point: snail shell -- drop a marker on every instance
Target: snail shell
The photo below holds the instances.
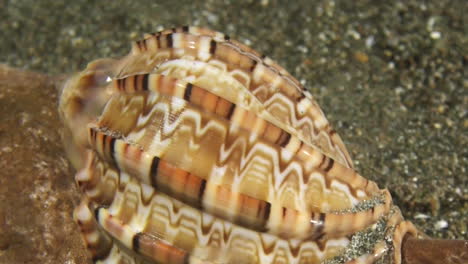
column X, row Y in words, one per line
column 194, row 148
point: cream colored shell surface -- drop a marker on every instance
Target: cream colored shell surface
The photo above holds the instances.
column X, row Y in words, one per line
column 194, row 148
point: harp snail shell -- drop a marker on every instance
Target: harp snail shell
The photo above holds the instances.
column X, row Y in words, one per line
column 195, row 148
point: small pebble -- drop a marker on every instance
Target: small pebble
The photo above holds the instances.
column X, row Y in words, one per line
column 441, row 224
column 7, row 149
column 435, row 35
column 361, row 57
column 421, row 216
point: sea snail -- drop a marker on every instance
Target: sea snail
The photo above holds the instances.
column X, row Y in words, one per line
column 195, row 148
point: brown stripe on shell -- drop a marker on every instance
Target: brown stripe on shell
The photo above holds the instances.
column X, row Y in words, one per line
column 154, row 170
column 158, row 250
column 147, row 245
column 329, row 166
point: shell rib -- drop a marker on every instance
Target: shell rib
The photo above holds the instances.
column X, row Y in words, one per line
column 194, row 148
column 280, row 94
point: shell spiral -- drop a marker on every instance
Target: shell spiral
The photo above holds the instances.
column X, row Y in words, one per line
column 195, row 148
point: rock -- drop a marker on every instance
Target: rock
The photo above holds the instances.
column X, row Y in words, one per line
column 37, row 190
